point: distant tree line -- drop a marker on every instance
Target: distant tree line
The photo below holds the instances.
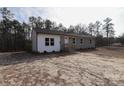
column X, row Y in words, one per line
column 15, row 35
column 12, row 35
column 121, row 39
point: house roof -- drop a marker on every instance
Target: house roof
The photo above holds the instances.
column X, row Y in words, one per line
column 55, row 32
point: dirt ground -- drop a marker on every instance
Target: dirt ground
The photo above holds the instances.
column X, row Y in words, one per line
column 103, row 66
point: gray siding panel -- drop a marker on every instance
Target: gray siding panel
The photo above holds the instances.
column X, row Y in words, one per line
column 34, row 41
column 62, row 42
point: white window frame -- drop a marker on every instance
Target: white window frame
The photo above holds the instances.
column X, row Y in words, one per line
column 49, row 42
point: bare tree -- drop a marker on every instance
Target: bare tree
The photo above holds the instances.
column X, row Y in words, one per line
column 91, row 28
column 97, row 26
column 71, row 29
column 81, row 29
column 109, row 29
column 61, row 27
column 121, row 39
column 78, row 28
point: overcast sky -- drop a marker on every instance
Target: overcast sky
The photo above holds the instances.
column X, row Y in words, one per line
column 73, row 16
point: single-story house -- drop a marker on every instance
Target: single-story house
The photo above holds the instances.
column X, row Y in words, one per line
column 54, row 41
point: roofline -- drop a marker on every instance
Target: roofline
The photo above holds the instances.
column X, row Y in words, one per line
column 55, row 32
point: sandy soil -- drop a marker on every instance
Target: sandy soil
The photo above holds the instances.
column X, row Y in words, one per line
column 103, row 66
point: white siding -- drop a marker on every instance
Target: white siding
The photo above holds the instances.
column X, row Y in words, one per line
column 41, row 43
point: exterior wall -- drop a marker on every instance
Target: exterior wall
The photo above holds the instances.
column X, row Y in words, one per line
column 41, row 43
column 86, row 43
column 34, row 41
column 93, row 43
column 38, row 43
column 69, row 46
column 79, row 45
column 62, row 44
column 67, row 43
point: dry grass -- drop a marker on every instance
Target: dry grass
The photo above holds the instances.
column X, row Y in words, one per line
column 117, row 52
column 103, row 66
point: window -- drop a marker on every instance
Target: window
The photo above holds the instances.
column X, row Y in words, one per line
column 73, row 40
column 90, row 41
column 52, row 41
column 47, row 41
column 81, row 41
